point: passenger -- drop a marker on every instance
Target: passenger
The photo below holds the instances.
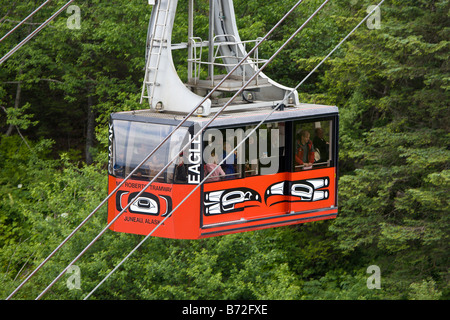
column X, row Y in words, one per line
column 305, row 152
column 321, row 145
column 210, row 166
column 229, row 163
column 180, row 172
column 138, row 155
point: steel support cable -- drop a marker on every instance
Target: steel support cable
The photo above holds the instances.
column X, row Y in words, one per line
column 24, row 20
column 236, row 148
column 186, row 146
column 32, row 34
column 151, row 154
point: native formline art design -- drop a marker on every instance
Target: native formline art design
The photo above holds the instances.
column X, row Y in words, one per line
column 238, row 199
column 146, row 203
column 224, row 201
column 299, row 190
column 233, row 199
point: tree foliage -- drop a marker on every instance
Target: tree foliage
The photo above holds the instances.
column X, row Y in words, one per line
column 391, row 85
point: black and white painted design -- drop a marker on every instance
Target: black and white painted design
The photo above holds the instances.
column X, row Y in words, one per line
column 146, row 203
column 225, row 201
column 299, row 191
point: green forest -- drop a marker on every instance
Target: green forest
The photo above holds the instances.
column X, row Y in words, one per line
column 390, row 80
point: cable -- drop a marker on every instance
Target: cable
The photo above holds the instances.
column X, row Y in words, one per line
column 31, row 35
column 187, row 145
column 24, row 20
column 151, row 153
column 231, row 152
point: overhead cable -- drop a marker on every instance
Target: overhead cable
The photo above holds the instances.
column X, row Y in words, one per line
column 32, row 34
column 24, row 20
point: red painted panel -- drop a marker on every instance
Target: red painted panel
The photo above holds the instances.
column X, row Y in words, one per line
column 152, row 206
column 225, row 207
column 264, row 201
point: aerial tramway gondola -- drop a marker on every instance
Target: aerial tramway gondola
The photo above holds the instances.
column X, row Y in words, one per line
column 284, row 173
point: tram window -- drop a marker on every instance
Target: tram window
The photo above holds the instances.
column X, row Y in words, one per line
column 261, row 154
column 177, row 171
column 251, row 167
column 219, row 143
column 312, row 144
column 133, row 141
column 271, row 147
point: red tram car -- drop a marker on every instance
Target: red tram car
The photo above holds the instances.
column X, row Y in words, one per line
column 263, row 184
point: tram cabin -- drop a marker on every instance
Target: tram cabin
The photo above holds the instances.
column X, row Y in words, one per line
column 283, row 174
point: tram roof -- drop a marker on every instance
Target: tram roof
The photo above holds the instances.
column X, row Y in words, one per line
column 230, row 118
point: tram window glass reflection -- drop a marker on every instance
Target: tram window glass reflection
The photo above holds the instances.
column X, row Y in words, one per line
column 133, row 141
column 312, row 144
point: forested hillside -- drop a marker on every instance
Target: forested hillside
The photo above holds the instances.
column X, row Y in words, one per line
column 391, row 84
